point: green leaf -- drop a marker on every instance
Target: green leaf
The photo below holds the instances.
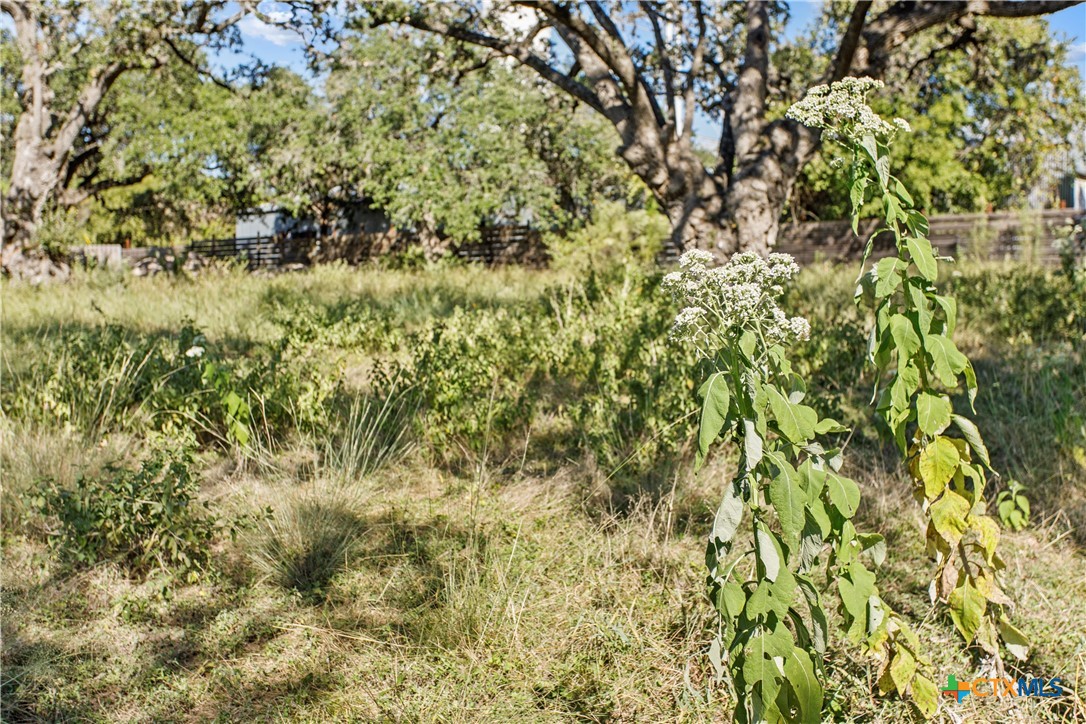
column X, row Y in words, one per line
column 882, row 168
column 800, row 675
column 950, row 311
column 917, row 222
column 856, row 588
column 922, row 255
column 967, row 607
column 790, row 501
column 796, row 422
column 752, row 445
column 972, row 436
column 760, row 668
column 844, row 494
column 813, row 537
column 874, row 544
column 820, row 627
column 921, row 308
column 714, row 412
column 970, row 383
column 870, row 147
column 946, row 360
column 933, row 412
column 938, row 462
column 768, row 553
column 904, row 335
column 902, row 193
column 760, row 602
column 828, row 425
column 856, row 196
column 887, row 276
column 728, row 515
column 733, row 598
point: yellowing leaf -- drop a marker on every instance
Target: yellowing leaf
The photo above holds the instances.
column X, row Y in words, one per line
column 1015, row 641
column 937, row 464
column 948, row 515
column 926, row 696
column 967, row 607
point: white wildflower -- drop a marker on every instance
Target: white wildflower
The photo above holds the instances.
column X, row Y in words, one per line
column 842, row 111
column 902, row 125
column 695, row 257
column 195, row 351
column 721, row 303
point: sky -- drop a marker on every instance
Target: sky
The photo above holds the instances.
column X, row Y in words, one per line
column 276, row 46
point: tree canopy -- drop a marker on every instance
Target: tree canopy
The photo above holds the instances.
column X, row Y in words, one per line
column 449, row 115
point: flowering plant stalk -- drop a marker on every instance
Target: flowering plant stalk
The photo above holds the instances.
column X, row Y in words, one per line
column 772, row 624
column 911, row 346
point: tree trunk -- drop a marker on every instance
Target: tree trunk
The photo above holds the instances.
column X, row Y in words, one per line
column 34, row 175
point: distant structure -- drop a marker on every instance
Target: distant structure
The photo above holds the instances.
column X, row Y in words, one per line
column 1073, row 191
column 271, row 220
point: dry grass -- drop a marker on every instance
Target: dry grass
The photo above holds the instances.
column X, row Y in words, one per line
column 508, row 592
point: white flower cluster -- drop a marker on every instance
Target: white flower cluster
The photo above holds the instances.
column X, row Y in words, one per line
column 841, row 109
column 720, row 303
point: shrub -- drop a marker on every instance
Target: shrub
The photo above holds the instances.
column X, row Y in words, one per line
column 147, row 519
column 629, row 387
column 615, row 236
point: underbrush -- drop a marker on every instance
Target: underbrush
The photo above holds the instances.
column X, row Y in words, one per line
column 468, row 493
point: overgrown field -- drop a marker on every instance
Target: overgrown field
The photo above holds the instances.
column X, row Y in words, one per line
column 458, row 494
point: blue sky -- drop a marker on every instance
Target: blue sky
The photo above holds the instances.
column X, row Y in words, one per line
column 280, row 47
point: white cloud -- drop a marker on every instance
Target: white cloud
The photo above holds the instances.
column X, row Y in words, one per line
column 254, row 27
column 1078, row 51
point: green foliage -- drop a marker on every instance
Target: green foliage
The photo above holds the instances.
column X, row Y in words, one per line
column 1031, row 305
column 1013, row 506
column 146, row 520
column 989, row 118
column 773, row 627
column 615, row 236
column 626, row 383
column 912, row 341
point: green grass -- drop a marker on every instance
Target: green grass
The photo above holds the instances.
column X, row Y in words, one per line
column 513, row 577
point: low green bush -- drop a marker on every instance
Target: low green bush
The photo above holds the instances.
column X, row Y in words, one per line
column 146, row 520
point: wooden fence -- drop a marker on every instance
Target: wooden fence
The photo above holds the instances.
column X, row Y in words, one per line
column 258, row 251
column 1023, row 235
column 496, row 245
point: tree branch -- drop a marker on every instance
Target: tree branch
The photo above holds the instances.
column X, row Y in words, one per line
column 748, row 113
column 652, row 11
column 846, row 51
column 518, row 51
column 905, row 19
